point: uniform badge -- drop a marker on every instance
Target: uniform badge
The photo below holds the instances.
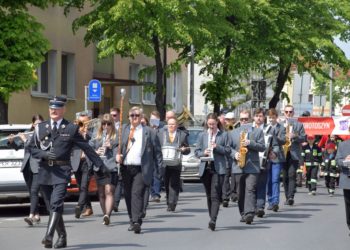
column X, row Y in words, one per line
column 47, row 126
column 63, row 126
column 46, row 138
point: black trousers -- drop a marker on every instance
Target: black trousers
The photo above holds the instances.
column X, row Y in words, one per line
column 289, row 172
column 226, row 186
column 330, row 182
column 311, row 177
column 54, row 196
column 213, row 189
column 246, row 189
column 347, row 206
column 83, row 178
column 134, row 190
column 119, row 192
column 33, row 186
column 172, row 184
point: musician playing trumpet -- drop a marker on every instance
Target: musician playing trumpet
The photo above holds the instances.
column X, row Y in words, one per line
column 246, row 176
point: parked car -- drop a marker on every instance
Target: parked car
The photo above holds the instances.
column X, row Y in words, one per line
column 73, row 189
column 190, row 163
column 12, row 185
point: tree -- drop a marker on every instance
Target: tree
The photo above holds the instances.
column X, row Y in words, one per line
column 132, row 27
column 298, row 32
column 22, row 49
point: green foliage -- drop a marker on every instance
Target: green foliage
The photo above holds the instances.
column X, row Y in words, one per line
column 22, row 48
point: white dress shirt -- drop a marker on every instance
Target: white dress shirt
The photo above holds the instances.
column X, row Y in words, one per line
column 133, row 157
column 58, row 123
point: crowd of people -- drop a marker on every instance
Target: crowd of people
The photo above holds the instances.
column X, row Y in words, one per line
column 241, row 161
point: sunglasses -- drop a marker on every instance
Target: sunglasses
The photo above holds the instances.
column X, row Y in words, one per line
column 288, row 111
column 134, row 115
column 106, row 123
column 244, row 119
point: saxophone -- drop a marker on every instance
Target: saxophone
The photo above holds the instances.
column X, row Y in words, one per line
column 243, row 150
column 286, row 146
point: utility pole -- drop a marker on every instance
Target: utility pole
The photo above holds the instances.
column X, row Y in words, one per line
column 192, row 81
column 331, row 91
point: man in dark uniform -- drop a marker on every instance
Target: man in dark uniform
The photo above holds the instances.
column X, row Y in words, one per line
column 52, row 143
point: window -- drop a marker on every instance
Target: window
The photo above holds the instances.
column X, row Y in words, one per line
column 46, row 76
column 67, row 75
column 149, row 97
column 134, row 90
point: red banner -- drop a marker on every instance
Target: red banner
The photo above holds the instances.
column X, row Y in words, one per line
column 337, row 125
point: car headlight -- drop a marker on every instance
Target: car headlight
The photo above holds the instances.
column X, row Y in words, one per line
column 193, row 159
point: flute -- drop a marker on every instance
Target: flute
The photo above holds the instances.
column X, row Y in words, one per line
column 16, row 135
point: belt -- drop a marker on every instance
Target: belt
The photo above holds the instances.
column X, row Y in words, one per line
column 133, row 166
column 59, row 163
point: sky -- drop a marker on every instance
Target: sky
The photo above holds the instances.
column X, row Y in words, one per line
column 344, row 46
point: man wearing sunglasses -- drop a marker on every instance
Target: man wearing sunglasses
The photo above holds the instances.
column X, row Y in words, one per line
column 115, row 113
column 140, row 155
column 246, row 177
column 296, row 135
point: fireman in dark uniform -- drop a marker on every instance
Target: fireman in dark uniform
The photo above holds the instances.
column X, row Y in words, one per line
column 329, row 167
column 52, row 143
column 312, row 157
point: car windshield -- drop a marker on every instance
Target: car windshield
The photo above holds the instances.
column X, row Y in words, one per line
column 193, row 137
column 3, row 139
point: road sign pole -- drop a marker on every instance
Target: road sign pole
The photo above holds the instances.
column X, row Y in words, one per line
column 86, row 94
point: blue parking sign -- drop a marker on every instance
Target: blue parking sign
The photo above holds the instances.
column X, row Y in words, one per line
column 94, row 91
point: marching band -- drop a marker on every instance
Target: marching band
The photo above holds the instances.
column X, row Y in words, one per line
column 246, row 155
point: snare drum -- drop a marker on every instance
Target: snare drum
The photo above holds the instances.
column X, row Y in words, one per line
column 171, row 155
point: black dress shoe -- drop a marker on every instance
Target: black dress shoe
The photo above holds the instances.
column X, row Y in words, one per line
column 249, row 219
column 260, row 213
column 275, row 208
column 225, row 203
column 47, row 242
column 290, row 201
column 77, row 212
column 115, row 209
column 29, row 221
column 211, row 225
column 137, row 228
column 143, row 215
column 61, row 242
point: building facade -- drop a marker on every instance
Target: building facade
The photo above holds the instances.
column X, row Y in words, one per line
column 69, row 66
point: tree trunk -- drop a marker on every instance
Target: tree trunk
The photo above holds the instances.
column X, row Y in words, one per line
column 159, row 78
column 225, row 69
column 3, row 111
column 281, row 79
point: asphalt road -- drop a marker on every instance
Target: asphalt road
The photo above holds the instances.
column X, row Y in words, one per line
column 314, row 222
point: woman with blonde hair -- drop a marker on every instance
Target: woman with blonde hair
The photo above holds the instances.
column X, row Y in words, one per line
column 105, row 144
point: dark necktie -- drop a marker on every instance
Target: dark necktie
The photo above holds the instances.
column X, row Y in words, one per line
column 54, row 129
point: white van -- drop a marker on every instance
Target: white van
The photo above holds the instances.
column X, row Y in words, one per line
column 12, row 186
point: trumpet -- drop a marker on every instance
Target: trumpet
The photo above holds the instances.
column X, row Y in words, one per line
column 17, row 135
column 229, row 127
column 89, row 124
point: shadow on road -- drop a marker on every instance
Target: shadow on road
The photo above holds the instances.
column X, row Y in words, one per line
column 101, row 245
